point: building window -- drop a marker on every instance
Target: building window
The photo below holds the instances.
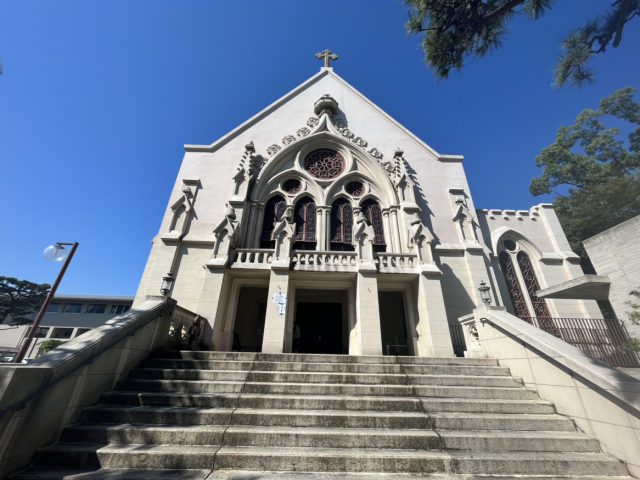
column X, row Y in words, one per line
column 341, row 226
column 372, row 212
column 273, row 211
column 97, row 308
column 81, row 331
column 64, row 333
column 305, row 218
column 54, row 307
column 119, row 309
column 522, row 283
column 73, row 308
column 41, row 332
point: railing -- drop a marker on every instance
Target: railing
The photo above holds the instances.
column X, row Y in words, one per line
column 185, row 328
column 324, row 260
column 395, row 261
column 252, row 257
column 604, row 339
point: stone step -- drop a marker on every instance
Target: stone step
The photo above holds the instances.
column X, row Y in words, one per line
column 371, row 368
column 52, row 473
column 412, row 461
column 328, row 459
column 137, row 474
column 320, row 358
column 488, row 421
column 196, row 386
column 257, row 417
column 324, row 377
column 488, row 441
column 327, row 402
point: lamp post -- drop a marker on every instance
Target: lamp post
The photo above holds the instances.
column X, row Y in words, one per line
column 485, row 293
column 53, row 253
column 167, row 283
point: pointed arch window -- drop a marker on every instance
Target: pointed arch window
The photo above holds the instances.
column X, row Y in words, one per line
column 305, row 218
column 522, row 284
column 341, row 226
column 273, row 211
column 373, row 213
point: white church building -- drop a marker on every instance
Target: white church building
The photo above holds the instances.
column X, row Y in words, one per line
column 322, row 225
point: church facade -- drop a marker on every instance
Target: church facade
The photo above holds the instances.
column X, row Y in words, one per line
column 321, row 225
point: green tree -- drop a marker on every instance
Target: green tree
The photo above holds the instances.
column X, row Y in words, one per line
column 456, row 30
column 597, row 169
column 47, row 346
column 20, row 300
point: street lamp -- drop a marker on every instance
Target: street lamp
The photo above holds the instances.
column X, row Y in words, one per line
column 485, row 293
column 167, row 283
column 53, row 253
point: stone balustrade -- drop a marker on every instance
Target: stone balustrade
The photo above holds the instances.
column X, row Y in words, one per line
column 253, row 258
column 324, row 261
column 329, row 261
column 396, row 262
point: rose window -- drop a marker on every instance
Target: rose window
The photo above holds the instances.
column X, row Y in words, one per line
column 291, row 186
column 324, row 163
column 355, row 189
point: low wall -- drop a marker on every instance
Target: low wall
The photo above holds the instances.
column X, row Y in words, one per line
column 603, row 401
column 38, row 399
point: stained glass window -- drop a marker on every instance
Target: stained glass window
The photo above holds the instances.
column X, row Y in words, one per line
column 373, row 214
column 341, row 226
column 305, row 218
column 273, row 211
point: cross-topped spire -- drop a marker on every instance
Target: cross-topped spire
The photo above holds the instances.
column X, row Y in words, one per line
column 328, row 56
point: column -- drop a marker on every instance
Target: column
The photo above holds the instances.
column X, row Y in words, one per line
column 395, row 229
column 387, row 229
column 212, row 305
column 322, row 228
column 366, row 337
column 434, row 338
column 276, row 314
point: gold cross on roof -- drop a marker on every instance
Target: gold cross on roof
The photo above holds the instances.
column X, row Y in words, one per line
column 328, row 57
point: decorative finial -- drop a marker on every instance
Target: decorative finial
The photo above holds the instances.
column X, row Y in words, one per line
column 328, row 56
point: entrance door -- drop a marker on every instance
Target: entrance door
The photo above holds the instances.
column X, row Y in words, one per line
column 393, row 326
column 318, row 328
column 249, row 324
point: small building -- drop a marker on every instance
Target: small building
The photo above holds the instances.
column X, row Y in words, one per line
column 67, row 317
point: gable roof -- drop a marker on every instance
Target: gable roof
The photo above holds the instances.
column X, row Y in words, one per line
column 324, row 72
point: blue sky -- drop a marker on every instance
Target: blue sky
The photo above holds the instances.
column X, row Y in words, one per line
column 98, row 97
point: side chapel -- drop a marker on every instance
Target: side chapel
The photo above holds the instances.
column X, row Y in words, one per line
column 322, row 225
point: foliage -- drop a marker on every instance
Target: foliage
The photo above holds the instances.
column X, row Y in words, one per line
column 455, row 30
column 20, row 300
column 597, row 167
column 47, row 346
column 634, row 317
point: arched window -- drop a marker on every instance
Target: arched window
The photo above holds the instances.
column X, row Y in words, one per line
column 531, row 282
column 341, row 226
column 513, row 285
column 522, row 285
column 373, row 214
column 273, row 211
column 305, row 217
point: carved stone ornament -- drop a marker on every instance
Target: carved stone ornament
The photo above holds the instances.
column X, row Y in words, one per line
column 472, row 329
column 313, row 121
column 361, row 142
column 288, row 139
column 327, row 104
column 375, row 153
column 303, row 132
column 273, row 149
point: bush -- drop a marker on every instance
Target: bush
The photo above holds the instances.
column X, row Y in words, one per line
column 48, row 345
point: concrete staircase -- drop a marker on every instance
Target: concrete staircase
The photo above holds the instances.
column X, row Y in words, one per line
column 265, row 416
